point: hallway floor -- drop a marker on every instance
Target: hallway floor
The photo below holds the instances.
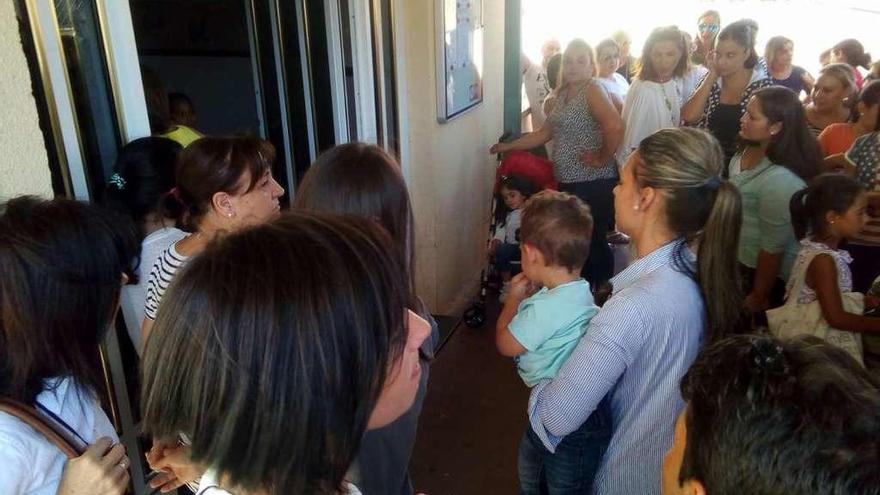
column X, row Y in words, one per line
column 473, row 418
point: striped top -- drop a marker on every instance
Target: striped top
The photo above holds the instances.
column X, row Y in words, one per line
column 160, row 278
column 865, row 155
column 636, row 349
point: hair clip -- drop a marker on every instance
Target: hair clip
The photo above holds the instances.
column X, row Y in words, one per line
column 117, row 181
column 767, row 356
column 713, row 183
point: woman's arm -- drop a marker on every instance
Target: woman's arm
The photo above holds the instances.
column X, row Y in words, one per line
column 616, row 334
column 692, row 111
column 766, row 272
column 610, row 123
column 525, row 142
column 822, row 278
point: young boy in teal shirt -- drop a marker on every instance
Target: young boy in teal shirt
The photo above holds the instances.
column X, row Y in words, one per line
column 549, row 305
column 547, row 311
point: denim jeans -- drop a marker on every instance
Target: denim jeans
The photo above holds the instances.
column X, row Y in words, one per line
column 572, row 468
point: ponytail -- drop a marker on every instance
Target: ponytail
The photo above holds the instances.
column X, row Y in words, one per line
column 800, row 215
column 717, row 267
column 703, row 209
column 826, row 193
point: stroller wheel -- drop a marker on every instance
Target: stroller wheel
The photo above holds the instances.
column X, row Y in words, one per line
column 475, row 317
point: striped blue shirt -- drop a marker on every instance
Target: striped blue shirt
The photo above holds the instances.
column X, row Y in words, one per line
column 637, row 348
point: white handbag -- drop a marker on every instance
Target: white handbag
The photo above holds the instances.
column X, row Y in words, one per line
column 793, row 319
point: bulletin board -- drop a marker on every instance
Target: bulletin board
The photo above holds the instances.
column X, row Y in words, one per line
column 459, row 55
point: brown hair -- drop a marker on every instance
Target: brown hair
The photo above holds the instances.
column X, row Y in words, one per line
column 215, row 164
column 272, row 347
column 685, row 164
column 607, row 44
column 559, row 225
column 645, row 71
column 576, row 45
column 62, row 263
column 854, row 52
column 363, row 180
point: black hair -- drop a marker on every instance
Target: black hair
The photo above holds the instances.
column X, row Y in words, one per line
column 62, row 263
column 271, row 349
column 795, row 146
column 826, row 193
column 142, row 176
column 767, row 417
column 177, row 98
column 870, row 96
column 743, row 32
column 514, row 182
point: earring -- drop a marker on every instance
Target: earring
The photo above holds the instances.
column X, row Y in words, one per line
column 636, row 207
column 230, row 215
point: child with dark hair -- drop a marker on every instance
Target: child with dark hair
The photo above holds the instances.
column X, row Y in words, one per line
column 513, row 192
column 829, row 211
column 767, row 417
column 546, row 314
column 142, row 177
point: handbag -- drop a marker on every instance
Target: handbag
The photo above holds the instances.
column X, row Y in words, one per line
column 793, row 319
column 31, row 417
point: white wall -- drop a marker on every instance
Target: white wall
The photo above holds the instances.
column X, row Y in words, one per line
column 448, row 167
column 24, row 166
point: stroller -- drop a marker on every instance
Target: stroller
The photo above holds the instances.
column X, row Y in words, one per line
column 538, row 170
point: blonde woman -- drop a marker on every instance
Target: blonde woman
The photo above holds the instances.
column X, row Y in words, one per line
column 778, row 55
column 668, row 303
column 586, row 130
column 830, row 98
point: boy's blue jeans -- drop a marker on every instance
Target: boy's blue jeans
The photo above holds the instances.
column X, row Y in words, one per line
column 572, row 468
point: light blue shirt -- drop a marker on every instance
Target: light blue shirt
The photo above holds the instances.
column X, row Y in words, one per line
column 637, row 348
column 549, row 324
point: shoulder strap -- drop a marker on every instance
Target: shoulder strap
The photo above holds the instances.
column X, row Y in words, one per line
column 32, row 418
column 801, row 277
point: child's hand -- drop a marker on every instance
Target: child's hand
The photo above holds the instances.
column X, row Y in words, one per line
column 520, row 288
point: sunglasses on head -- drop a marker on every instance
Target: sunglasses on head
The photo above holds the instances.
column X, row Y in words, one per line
column 708, row 27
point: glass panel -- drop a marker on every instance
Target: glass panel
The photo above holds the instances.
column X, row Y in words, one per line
column 92, row 96
column 198, row 52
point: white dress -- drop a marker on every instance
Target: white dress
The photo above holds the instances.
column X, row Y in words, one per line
column 30, row 464
column 615, row 85
column 649, row 107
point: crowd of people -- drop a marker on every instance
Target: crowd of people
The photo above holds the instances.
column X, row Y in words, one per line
column 288, row 352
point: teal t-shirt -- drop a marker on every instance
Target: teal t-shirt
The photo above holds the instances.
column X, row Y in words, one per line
column 549, row 325
column 766, row 193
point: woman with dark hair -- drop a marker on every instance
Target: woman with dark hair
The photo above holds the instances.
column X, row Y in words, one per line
column 830, row 102
column 278, row 348
column 586, row 130
column 223, row 184
column 143, row 175
column 852, row 53
column 365, row 181
column 654, row 101
column 777, row 56
column 838, row 138
column 671, row 201
column 159, row 111
column 734, row 75
column 778, row 156
column 63, row 264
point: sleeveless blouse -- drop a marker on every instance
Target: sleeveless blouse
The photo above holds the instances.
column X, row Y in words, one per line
column 575, row 132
